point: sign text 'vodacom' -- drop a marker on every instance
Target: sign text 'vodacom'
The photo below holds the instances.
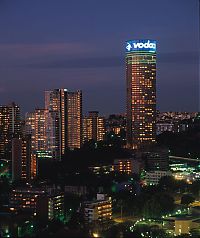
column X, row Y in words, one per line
column 141, row 45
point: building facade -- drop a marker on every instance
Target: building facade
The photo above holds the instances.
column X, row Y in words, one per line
column 74, row 119
column 24, row 199
column 156, row 159
column 68, row 105
column 99, row 211
column 38, row 202
column 50, row 207
column 128, row 165
column 124, row 165
column 24, row 162
column 153, row 177
column 10, row 127
column 93, row 127
column 141, row 92
column 43, row 126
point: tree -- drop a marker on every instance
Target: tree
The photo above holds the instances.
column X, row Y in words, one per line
column 152, row 209
column 195, row 233
column 157, row 205
column 90, row 145
column 168, row 183
column 184, row 236
column 4, row 191
column 186, row 199
column 195, row 188
column 76, row 221
column 54, row 226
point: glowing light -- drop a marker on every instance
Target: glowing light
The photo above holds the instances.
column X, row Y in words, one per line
column 141, row 45
column 95, row 235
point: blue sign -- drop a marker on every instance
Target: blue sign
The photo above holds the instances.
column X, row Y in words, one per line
column 140, row 45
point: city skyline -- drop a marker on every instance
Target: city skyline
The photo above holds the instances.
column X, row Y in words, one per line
column 100, row 118
column 40, row 54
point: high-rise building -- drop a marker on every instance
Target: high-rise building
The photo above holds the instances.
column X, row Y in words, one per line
column 30, row 127
column 74, row 119
column 43, row 126
column 141, row 92
column 101, row 128
column 16, row 159
column 41, row 119
column 68, row 105
column 87, row 129
column 10, row 127
column 24, row 163
column 55, row 100
column 52, row 134
column 94, row 116
column 93, row 127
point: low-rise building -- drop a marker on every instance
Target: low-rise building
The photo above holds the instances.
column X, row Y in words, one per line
column 102, row 169
column 153, row 177
column 99, row 211
column 164, row 126
column 128, row 166
column 50, row 207
column 76, row 190
column 184, row 225
column 38, row 202
column 156, row 159
column 24, row 199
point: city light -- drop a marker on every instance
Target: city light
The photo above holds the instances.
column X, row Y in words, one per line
column 102, row 138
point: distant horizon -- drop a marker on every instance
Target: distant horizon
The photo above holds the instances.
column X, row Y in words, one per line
column 85, row 113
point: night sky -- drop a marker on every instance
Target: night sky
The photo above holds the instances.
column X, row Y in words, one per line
column 76, row 44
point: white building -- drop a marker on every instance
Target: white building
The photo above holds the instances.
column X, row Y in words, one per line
column 99, row 210
column 153, row 177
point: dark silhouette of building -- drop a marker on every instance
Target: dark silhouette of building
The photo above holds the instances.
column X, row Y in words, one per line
column 24, row 162
column 10, row 127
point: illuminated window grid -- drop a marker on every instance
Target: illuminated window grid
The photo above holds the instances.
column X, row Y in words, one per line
column 142, row 95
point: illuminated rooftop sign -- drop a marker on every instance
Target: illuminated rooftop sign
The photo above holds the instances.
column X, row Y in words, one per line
column 140, row 45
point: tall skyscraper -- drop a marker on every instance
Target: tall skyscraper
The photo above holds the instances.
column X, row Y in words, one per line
column 30, row 127
column 68, row 105
column 10, row 127
column 74, row 119
column 24, row 163
column 43, row 126
column 94, row 117
column 93, row 127
column 56, row 101
column 141, row 92
column 41, row 116
column 52, row 134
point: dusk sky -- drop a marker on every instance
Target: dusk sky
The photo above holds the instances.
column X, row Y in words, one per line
column 47, row 44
